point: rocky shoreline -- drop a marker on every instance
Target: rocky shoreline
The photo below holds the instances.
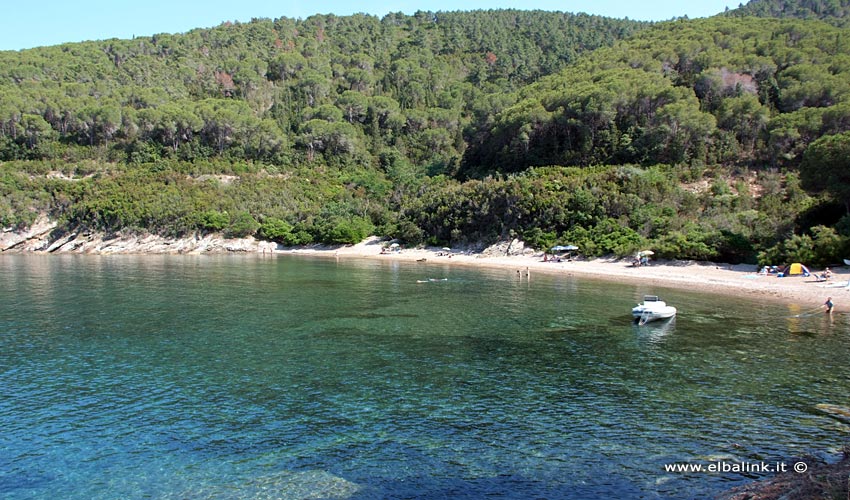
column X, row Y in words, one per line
column 45, row 237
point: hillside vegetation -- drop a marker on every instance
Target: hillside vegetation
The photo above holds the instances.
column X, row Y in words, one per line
column 721, row 138
column 832, row 11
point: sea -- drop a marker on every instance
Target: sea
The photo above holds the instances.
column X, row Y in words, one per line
column 291, row 377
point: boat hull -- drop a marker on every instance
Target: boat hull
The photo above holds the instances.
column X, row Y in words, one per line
column 653, row 311
column 647, row 315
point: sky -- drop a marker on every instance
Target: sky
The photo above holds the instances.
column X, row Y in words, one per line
column 34, row 23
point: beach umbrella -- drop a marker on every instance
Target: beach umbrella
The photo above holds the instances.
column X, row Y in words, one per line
column 646, row 252
column 394, row 245
column 564, row 248
column 447, row 249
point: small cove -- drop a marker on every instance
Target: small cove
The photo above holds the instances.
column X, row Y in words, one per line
column 239, row 376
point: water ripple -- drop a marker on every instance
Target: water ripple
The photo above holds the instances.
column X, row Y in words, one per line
column 229, row 377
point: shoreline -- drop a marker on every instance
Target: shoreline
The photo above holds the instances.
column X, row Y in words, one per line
column 722, row 279
column 804, row 293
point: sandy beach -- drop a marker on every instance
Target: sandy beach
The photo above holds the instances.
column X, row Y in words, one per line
column 806, row 292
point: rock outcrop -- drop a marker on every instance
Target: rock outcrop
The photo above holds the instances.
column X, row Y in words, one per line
column 36, row 237
column 44, row 237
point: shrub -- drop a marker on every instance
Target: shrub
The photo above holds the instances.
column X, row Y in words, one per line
column 346, row 230
column 213, row 220
column 276, row 230
column 242, row 225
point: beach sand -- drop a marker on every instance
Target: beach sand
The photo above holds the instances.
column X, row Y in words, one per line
column 738, row 280
column 805, row 293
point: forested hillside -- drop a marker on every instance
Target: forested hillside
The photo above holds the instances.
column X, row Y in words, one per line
column 286, row 90
column 832, row 11
column 707, row 139
column 746, row 91
column 320, row 122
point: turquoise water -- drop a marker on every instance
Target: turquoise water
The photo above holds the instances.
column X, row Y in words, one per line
column 242, row 377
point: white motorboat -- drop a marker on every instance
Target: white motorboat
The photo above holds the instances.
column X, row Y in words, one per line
column 652, row 308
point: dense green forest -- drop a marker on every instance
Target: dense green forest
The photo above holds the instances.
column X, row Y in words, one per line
column 832, row 11
column 723, row 138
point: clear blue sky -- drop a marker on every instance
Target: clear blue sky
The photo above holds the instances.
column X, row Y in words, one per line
column 33, row 23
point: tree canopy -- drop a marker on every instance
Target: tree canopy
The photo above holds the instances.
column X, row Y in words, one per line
column 715, row 138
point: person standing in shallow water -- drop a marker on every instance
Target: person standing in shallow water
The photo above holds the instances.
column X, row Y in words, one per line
column 829, row 305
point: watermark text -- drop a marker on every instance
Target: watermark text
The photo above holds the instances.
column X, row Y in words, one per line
column 737, row 467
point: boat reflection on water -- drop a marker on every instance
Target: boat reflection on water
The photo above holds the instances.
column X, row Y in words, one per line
column 657, row 331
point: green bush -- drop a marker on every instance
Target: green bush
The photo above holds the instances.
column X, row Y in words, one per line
column 276, row 230
column 539, row 239
column 346, row 230
column 797, row 248
column 606, row 238
column 406, row 231
column 679, row 245
column 212, row 220
column 242, row 224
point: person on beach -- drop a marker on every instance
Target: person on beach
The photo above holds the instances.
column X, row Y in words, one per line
column 829, row 305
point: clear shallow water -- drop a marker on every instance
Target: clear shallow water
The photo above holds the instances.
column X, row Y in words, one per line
column 242, row 377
